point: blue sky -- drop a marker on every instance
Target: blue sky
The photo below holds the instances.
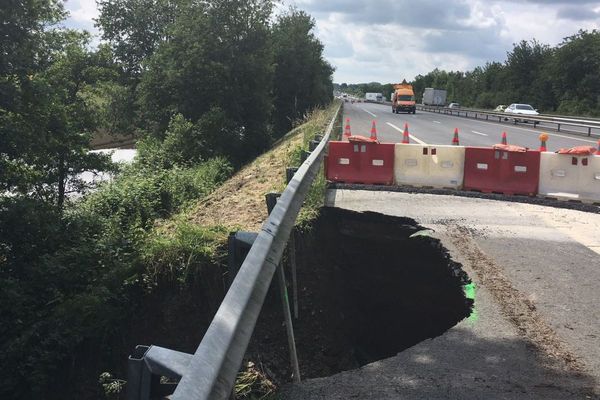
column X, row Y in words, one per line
column 391, row 40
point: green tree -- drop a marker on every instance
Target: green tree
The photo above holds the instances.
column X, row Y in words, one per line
column 576, row 73
column 219, row 56
column 135, row 28
column 45, row 143
column 302, row 77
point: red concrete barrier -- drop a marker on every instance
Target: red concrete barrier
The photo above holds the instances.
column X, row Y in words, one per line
column 360, row 162
column 506, row 170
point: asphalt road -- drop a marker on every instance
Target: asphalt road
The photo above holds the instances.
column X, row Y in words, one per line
column 432, row 128
column 535, row 334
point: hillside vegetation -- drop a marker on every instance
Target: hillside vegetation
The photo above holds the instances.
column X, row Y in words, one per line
column 88, row 271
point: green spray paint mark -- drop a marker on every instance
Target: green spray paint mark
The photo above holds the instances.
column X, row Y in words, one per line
column 470, row 292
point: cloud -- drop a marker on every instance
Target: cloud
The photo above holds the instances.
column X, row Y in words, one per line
column 578, row 13
column 81, row 15
column 427, row 14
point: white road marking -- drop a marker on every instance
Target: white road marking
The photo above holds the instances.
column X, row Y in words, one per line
column 527, row 130
column 409, row 135
column 367, row 111
column 436, row 122
column 479, row 133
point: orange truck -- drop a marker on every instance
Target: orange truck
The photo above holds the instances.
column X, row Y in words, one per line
column 403, row 98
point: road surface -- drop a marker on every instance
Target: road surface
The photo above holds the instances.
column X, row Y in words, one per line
column 433, row 128
column 536, row 334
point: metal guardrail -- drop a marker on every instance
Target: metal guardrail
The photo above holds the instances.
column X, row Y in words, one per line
column 590, row 126
column 211, row 371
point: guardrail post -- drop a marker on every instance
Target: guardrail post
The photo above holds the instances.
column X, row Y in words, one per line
column 271, row 199
column 558, row 127
column 289, row 174
column 590, row 131
column 312, row 145
column 304, row 155
column 238, row 245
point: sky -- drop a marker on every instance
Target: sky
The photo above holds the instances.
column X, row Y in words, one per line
column 391, row 40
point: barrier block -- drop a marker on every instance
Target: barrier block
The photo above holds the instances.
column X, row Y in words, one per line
column 431, row 166
column 570, row 177
column 490, row 170
column 360, row 162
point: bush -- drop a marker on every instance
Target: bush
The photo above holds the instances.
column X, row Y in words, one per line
column 69, row 282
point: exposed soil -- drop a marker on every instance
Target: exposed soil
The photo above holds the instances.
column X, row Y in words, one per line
column 367, row 290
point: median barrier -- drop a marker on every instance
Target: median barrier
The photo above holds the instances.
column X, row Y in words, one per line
column 360, row 161
column 429, row 166
column 570, row 177
column 502, row 169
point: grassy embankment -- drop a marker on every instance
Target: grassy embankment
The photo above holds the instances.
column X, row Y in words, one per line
column 195, row 239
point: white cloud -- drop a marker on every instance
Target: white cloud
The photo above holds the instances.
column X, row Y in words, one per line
column 81, row 14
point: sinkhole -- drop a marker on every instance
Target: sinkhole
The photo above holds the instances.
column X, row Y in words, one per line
column 369, row 286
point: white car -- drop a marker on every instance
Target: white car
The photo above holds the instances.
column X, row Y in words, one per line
column 521, row 109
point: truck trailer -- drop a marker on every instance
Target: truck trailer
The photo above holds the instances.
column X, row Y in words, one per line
column 434, row 97
column 375, row 97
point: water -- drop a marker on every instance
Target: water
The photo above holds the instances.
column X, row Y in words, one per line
column 117, row 156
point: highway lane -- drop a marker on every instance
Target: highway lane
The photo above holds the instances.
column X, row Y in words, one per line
column 433, row 128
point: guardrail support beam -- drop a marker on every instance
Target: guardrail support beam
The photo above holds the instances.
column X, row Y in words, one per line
column 271, row 199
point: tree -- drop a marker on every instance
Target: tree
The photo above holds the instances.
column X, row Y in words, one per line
column 135, row 28
column 219, row 56
column 302, row 77
column 45, row 142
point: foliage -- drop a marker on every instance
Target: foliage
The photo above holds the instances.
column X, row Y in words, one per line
column 218, row 60
column 204, row 83
column 44, row 139
column 73, row 278
column 181, row 251
column 302, row 77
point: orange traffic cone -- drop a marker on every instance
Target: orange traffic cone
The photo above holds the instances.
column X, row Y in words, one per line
column 504, row 138
column 455, row 138
column 347, row 132
column 543, row 140
column 405, row 136
column 598, row 151
column 373, row 131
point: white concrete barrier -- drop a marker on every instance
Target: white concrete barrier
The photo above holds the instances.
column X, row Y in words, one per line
column 429, row 165
column 570, row 177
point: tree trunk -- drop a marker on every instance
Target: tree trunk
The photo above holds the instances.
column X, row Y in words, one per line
column 61, row 181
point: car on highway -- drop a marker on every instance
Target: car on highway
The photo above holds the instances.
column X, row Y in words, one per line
column 453, row 105
column 500, row 108
column 521, row 109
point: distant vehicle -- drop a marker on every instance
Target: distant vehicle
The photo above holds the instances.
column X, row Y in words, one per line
column 521, row 109
column 500, row 108
column 375, row 97
column 434, row 97
column 403, row 98
column 453, row 105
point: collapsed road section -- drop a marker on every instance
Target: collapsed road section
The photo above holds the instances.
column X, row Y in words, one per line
column 370, row 286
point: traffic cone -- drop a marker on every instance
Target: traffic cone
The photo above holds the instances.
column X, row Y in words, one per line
column 347, row 132
column 455, row 138
column 405, row 137
column 598, row 151
column 504, row 138
column 543, row 140
column 373, row 131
